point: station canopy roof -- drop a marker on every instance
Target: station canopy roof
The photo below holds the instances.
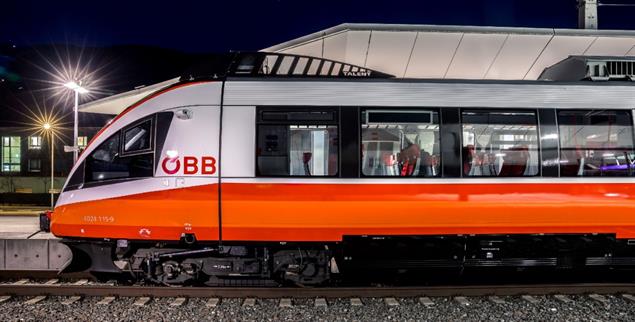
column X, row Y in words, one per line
column 434, row 52
column 457, row 52
column 116, row 103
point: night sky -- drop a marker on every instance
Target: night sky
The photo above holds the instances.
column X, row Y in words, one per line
column 203, row 26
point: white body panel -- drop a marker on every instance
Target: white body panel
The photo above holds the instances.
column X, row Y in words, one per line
column 198, row 136
column 128, row 188
column 190, row 95
column 203, row 98
column 195, row 137
column 239, row 141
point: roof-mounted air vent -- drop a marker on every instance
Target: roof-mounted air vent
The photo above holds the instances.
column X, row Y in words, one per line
column 576, row 68
column 265, row 65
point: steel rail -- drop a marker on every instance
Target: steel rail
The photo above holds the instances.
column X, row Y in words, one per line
column 330, row 292
column 41, row 274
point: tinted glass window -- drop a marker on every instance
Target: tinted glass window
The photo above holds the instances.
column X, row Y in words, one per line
column 106, row 163
column 297, row 150
column 297, row 142
column 500, row 143
column 102, row 163
column 137, row 138
column 76, row 179
column 596, row 143
column 298, row 116
column 400, row 143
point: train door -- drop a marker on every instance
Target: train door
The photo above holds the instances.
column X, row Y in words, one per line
column 238, row 160
column 188, row 167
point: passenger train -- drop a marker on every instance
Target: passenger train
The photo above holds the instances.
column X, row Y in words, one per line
column 275, row 169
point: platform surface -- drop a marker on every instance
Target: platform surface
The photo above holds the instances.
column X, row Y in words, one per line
column 34, row 211
column 20, row 227
column 23, row 247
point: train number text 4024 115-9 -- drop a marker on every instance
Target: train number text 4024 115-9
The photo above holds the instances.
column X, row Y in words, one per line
column 99, row 219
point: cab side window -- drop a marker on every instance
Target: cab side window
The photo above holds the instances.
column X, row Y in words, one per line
column 297, row 143
column 137, row 138
column 126, row 154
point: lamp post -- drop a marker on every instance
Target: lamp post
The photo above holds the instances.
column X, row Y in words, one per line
column 78, row 89
column 49, row 130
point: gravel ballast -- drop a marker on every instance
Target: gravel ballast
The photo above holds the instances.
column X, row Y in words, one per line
column 514, row 308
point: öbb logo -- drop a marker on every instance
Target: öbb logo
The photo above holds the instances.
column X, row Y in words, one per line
column 206, row 165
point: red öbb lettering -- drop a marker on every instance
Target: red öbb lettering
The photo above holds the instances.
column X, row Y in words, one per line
column 190, row 165
column 175, row 163
column 206, row 165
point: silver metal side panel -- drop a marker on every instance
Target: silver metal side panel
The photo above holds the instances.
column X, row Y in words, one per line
column 429, row 94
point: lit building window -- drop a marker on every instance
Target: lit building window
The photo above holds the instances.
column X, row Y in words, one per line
column 35, row 165
column 82, row 141
column 35, row 142
column 11, row 154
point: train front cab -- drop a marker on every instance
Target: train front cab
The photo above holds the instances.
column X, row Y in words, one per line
column 150, row 175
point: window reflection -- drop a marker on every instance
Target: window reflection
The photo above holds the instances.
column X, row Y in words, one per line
column 400, row 143
column 313, row 150
column 137, row 138
column 500, row 143
column 596, row 143
column 107, row 162
column 297, row 143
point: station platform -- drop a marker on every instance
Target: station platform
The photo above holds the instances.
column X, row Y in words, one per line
column 24, row 248
column 32, row 211
column 21, row 227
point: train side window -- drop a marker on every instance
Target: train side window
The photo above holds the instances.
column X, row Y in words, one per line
column 125, row 155
column 402, row 143
column 596, row 143
column 297, row 144
column 138, row 137
column 499, row 143
column 101, row 164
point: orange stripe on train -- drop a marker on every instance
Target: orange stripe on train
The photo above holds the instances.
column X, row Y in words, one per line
column 327, row 212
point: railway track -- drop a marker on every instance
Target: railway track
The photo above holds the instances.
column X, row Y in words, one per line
column 84, row 288
column 62, row 300
column 71, row 300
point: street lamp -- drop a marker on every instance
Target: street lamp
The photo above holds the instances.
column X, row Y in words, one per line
column 78, row 89
column 48, row 129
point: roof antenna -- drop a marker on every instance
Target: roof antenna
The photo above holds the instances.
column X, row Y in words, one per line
column 588, row 14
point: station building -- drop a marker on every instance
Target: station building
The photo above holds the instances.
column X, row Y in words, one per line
column 25, row 166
